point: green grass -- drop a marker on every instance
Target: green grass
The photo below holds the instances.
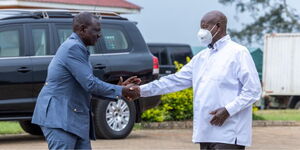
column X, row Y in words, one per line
column 10, row 127
column 137, row 126
column 283, row 115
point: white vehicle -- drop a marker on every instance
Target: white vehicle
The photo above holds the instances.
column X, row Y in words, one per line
column 281, row 69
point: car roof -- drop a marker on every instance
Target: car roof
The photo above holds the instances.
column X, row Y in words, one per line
column 6, row 14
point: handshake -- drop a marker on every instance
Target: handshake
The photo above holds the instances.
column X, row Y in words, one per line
column 131, row 89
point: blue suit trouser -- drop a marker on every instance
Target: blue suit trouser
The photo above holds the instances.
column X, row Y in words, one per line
column 60, row 139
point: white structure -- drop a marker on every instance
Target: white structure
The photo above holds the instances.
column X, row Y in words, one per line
column 281, row 67
column 281, row 71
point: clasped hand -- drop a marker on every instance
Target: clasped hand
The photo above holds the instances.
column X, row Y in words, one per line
column 131, row 90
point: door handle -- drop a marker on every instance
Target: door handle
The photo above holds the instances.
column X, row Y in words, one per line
column 99, row 66
column 23, row 69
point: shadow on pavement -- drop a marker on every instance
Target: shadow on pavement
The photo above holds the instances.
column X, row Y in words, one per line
column 137, row 136
column 24, row 138
column 130, row 137
column 19, row 138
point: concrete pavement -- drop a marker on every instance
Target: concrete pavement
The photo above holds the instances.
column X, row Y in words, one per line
column 264, row 138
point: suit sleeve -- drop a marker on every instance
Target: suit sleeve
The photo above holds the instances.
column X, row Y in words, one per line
column 78, row 65
column 251, row 87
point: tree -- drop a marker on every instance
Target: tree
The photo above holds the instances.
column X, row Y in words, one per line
column 270, row 16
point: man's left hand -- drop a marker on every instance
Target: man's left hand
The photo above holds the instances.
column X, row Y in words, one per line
column 219, row 116
column 131, row 80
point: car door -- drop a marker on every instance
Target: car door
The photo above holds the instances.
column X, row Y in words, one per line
column 40, row 50
column 15, row 70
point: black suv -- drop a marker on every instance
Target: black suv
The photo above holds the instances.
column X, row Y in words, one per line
column 30, row 38
column 167, row 53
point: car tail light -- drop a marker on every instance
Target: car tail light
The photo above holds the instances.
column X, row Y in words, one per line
column 155, row 65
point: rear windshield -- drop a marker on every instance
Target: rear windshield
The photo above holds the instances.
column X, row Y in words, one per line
column 179, row 54
column 160, row 53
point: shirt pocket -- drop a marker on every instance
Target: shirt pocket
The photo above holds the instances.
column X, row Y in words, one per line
column 77, row 114
column 76, row 108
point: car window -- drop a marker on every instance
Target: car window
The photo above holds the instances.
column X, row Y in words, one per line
column 160, row 53
column 179, row 54
column 10, row 43
column 63, row 34
column 115, row 39
column 39, row 37
column 65, row 31
column 164, row 57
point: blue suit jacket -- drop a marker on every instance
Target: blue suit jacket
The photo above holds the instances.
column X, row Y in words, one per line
column 64, row 101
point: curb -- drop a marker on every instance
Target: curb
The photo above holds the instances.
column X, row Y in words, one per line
column 168, row 125
column 261, row 123
column 189, row 124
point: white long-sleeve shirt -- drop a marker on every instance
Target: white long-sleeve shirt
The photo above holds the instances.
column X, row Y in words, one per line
column 224, row 76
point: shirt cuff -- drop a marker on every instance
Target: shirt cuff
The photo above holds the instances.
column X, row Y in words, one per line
column 230, row 108
column 143, row 88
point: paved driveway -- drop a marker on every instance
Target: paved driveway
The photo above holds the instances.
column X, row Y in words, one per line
column 271, row 138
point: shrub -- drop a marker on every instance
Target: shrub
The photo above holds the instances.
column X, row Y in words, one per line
column 179, row 105
column 154, row 115
column 174, row 106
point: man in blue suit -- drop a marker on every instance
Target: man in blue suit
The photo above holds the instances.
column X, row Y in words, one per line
column 63, row 106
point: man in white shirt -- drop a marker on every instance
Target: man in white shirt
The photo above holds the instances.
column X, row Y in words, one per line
column 225, row 85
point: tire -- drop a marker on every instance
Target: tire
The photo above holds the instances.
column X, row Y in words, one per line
column 294, row 102
column 297, row 106
column 113, row 122
column 30, row 128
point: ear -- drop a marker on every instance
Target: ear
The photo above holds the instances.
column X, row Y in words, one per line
column 82, row 28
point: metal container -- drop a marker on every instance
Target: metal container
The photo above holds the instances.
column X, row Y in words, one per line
column 281, row 64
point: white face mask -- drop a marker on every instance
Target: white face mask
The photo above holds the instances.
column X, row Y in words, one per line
column 205, row 36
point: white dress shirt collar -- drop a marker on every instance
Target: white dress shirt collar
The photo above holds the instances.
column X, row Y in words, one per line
column 220, row 43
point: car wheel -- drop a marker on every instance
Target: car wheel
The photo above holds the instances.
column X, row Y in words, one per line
column 30, row 128
column 297, row 106
column 114, row 119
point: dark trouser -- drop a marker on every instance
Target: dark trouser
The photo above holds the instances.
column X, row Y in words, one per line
column 219, row 146
column 60, row 139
